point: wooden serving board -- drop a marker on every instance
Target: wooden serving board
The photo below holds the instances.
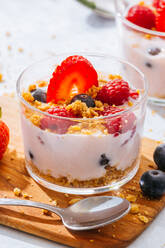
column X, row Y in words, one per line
column 13, row 174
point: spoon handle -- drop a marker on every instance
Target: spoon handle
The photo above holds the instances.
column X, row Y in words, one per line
column 27, row 203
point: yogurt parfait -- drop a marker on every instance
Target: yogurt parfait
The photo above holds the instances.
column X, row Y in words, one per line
column 142, row 38
column 82, row 119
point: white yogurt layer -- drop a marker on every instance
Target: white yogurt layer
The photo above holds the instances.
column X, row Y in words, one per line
column 77, row 156
column 135, row 48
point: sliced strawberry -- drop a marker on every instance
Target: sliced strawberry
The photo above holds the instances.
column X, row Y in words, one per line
column 75, row 75
column 160, row 18
column 141, row 16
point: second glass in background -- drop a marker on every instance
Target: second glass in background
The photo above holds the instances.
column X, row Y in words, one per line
column 145, row 49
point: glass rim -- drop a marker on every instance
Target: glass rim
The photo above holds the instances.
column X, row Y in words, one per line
column 136, row 27
column 101, row 55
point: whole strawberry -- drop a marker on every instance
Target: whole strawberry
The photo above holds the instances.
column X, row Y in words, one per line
column 4, row 138
column 115, row 92
column 141, row 16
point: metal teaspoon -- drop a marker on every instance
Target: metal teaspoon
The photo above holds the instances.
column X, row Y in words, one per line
column 86, row 214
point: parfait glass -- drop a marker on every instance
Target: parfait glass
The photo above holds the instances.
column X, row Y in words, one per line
column 81, row 157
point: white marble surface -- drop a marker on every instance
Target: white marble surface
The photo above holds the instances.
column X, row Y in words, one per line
column 46, row 27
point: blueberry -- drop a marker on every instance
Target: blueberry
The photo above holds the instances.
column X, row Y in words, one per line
column 159, row 157
column 103, row 160
column 39, row 95
column 149, row 65
column 154, row 51
column 31, row 155
column 152, row 183
column 84, row 98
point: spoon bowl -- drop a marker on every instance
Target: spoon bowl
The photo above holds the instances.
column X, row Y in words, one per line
column 95, row 212
column 86, row 214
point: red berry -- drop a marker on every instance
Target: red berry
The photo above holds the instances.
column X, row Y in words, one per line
column 119, row 124
column 75, row 74
column 4, row 138
column 110, row 110
column 160, row 18
column 134, row 94
column 157, row 3
column 115, row 92
column 141, row 16
column 57, row 125
column 60, row 111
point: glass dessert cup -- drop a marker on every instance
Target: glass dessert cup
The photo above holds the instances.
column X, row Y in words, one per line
column 144, row 48
column 85, row 159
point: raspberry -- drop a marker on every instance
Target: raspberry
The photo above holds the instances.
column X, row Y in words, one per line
column 115, row 92
column 58, row 125
column 141, row 16
column 62, row 112
column 119, row 124
column 4, row 138
column 110, row 110
column 160, row 18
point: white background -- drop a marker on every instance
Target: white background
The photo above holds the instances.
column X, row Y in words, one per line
column 46, row 27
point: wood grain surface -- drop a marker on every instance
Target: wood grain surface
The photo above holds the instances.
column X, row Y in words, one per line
column 13, row 174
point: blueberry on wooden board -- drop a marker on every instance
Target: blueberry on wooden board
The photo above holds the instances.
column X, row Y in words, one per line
column 159, row 157
column 152, row 183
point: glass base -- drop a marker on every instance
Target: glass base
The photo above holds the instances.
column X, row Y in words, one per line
column 156, row 101
column 84, row 191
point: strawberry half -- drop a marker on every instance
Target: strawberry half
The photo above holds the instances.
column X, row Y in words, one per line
column 75, row 75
